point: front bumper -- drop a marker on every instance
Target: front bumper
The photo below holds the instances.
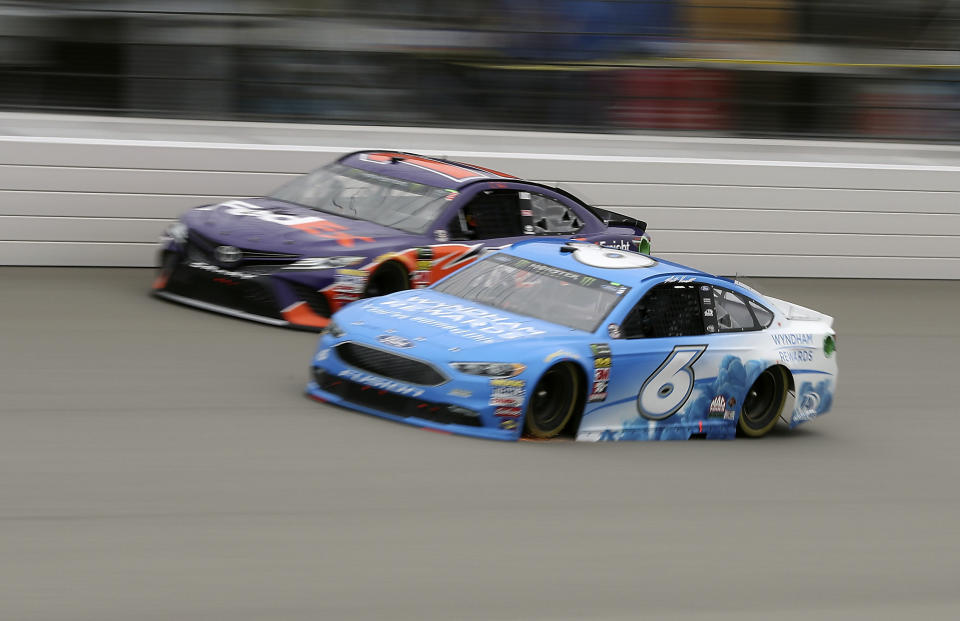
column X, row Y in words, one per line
column 462, row 406
column 256, row 294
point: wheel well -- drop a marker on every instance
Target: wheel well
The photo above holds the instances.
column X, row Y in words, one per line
column 790, row 385
column 570, row 430
column 391, row 267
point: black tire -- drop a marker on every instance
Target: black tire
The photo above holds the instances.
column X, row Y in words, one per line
column 764, row 402
column 553, row 402
column 389, row 278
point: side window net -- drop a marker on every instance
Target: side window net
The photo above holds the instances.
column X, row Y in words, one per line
column 667, row 310
column 488, row 216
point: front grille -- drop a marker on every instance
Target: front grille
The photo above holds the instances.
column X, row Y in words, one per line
column 393, row 403
column 202, row 248
column 314, row 299
column 390, row 365
column 212, row 288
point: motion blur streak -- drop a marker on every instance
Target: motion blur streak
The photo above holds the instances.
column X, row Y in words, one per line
column 837, row 68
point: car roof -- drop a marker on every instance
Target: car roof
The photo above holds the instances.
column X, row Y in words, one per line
column 591, row 259
column 422, row 169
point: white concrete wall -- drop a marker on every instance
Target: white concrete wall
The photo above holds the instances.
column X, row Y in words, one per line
column 732, row 207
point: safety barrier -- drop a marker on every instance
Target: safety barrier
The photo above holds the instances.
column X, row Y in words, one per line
column 98, row 192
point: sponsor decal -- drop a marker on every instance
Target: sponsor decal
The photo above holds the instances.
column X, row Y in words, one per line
column 508, row 393
column 348, row 284
column 561, row 353
column 601, row 354
column 200, row 265
column 617, row 244
column 708, row 312
column 526, row 213
column 395, row 340
column 528, row 229
column 602, row 361
column 508, row 412
column 792, row 339
column 795, row 356
column 466, row 321
column 680, row 279
column 441, row 236
column 614, row 331
column 311, row 225
column 711, row 329
column 808, row 406
column 381, row 383
column 322, row 355
column 508, row 423
column 717, row 407
column 460, row 392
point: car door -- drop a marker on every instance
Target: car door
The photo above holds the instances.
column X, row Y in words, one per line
column 663, row 338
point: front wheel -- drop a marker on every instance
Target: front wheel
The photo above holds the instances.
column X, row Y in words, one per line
column 553, row 402
column 764, row 402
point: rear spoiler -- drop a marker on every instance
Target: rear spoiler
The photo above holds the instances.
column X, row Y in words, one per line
column 796, row 312
column 613, row 219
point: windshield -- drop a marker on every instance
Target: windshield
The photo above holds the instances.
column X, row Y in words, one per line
column 362, row 195
column 536, row 290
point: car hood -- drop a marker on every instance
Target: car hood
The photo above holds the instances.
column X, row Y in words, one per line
column 272, row 225
column 426, row 323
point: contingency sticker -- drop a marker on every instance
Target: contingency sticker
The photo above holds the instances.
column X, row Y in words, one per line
column 601, row 371
column 507, row 393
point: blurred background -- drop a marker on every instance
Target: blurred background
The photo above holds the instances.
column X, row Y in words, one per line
column 883, row 69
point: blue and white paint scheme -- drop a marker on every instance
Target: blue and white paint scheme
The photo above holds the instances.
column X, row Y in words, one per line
column 644, row 367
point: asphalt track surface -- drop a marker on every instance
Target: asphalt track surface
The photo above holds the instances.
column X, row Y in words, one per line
column 159, row 462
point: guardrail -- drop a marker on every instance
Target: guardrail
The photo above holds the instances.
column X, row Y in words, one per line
column 864, row 211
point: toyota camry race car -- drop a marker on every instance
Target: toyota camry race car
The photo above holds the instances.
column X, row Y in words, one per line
column 551, row 338
column 373, row 222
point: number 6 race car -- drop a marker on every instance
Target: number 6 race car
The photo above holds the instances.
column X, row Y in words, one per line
column 371, row 223
column 550, row 338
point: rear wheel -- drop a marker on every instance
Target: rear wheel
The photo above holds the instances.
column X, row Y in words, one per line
column 553, row 402
column 764, row 402
column 389, row 278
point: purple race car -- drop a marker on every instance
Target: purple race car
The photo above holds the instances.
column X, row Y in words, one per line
column 371, row 223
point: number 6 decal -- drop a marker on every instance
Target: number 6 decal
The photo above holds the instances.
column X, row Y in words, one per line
column 670, row 386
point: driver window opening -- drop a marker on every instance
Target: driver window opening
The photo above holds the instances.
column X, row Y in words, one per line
column 491, row 214
column 667, row 310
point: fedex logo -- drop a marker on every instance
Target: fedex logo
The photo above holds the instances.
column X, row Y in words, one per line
column 308, row 224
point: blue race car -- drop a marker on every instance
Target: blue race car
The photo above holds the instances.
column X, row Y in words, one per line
column 549, row 338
